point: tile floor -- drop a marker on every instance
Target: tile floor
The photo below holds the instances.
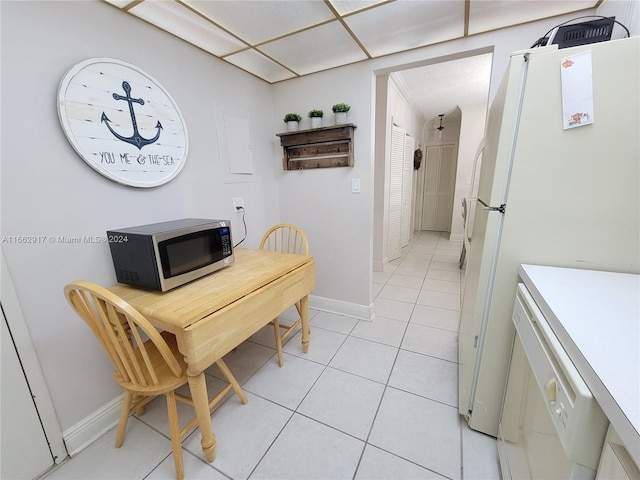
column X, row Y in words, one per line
column 371, row 400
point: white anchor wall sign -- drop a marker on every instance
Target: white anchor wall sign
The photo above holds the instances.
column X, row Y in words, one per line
column 122, row 122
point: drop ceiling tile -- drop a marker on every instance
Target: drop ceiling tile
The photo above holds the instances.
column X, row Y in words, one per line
column 180, row 21
column 119, row 3
column 490, row 15
column 316, row 49
column 407, row 24
column 344, row 7
column 257, row 21
column 261, row 66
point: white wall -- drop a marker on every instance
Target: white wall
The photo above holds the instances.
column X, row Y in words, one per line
column 338, row 223
column 626, row 12
column 402, row 112
column 47, row 189
column 382, row 149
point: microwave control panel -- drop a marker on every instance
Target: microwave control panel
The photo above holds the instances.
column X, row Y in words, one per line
column 225, row 238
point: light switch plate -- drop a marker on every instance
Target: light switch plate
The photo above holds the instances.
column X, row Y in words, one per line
column 355, row 185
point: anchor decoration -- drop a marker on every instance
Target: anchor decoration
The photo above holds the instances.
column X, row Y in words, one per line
column 135, row 139
column 125, row 148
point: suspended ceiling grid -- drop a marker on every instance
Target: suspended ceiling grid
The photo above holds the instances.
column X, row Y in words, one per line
column 277, row 40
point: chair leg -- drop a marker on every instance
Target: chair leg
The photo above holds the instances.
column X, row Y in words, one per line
column 174, row 426
column 276, row 329
column 125, row 410
column 140, row 408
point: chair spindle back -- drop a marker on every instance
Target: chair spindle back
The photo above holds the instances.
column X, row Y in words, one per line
column 123, row 333
column 285, row 238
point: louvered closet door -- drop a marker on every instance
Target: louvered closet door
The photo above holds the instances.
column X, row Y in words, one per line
column 407, row 191
column 395, row 193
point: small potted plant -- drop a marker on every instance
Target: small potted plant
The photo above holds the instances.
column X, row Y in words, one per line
column 340, row 110
column 316, row 118
column 292, row 120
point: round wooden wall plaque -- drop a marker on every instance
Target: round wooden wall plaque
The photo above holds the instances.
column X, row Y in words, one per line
column 122, row 122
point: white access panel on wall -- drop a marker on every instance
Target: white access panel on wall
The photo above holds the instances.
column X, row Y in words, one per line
column 238, row 138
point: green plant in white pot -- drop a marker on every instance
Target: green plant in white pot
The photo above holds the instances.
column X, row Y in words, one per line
column 316, row 118
column 340, row 110
column 293, row 121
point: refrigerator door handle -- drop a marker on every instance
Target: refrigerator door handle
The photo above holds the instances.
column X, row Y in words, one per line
column 500, row 209
column 473, row 195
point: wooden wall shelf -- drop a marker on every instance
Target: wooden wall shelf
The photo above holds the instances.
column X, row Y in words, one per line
column 318, row 147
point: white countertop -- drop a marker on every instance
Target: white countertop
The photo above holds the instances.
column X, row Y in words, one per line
column 596, row 317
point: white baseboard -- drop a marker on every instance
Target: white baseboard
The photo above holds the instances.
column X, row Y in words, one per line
column 378, row 266
column 89, row 429
column 456, row 237
column 348, row 309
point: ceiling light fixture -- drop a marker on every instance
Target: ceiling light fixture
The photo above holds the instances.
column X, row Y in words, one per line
column 440, row 128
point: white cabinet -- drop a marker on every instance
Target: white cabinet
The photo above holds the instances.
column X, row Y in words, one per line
column 615, row 463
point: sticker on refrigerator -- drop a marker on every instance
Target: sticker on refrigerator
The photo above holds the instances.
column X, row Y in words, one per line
column 577, row 90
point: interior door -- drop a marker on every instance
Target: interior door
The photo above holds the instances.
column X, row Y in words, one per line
column 439, row 184
column 31, row 435
column 25, row 449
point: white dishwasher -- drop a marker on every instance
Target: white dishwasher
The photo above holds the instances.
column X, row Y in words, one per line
column 550, row 427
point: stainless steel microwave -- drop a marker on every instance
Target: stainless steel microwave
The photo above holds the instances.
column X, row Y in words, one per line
column 166, row 255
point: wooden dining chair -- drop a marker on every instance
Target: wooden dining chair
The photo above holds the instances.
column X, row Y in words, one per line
column 285, row 238
column 147, row 363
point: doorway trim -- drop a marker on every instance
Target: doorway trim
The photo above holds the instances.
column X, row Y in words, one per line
column 381, row 146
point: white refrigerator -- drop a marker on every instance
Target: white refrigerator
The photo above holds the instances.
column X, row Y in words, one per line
column 548, row 195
